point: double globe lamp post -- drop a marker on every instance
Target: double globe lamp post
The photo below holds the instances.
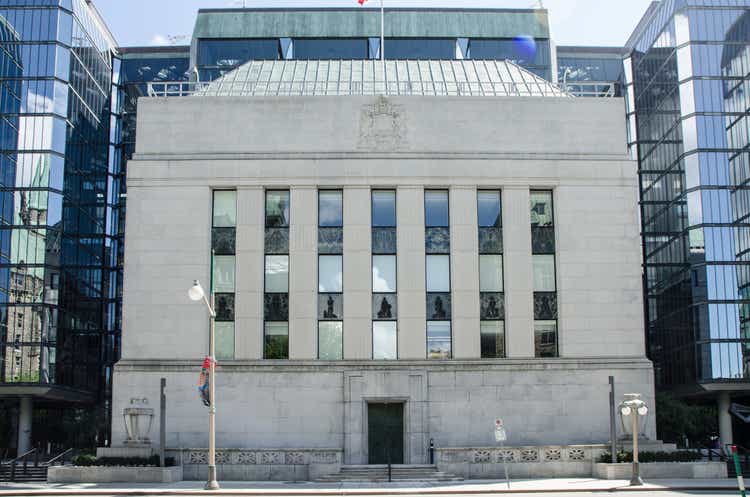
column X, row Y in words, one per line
column 634, row 407
column 196, row 294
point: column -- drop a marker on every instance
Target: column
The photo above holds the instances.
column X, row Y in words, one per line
column 24, row 425
column 303, row 273
column 465, row 272
column 412, row 316
column 249, row 281
column 357, row 274
column 725, row 419
column 519, row 294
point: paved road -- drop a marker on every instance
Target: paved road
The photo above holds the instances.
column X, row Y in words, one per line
column 646, row 493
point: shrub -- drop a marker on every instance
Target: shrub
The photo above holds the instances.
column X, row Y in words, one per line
column 84, row 460
column 679, row 456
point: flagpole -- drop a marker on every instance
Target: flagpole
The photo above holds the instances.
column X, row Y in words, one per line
column 382, row 30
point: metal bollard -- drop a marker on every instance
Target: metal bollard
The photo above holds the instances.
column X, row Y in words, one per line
column 432, row 451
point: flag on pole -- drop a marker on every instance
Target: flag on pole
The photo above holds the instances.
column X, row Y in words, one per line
column 382, row 26
column 361, row 2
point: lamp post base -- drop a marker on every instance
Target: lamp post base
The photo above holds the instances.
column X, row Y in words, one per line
column 636, row 480
column 212, row 484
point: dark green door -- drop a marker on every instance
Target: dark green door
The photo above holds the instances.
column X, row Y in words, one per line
column 385, row 433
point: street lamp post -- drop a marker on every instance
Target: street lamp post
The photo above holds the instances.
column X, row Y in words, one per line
column 634, row 406
column 196, row 293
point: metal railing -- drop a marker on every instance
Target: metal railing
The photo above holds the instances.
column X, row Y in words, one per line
column 25, row 458
column 174, row 88
column 601, row 89
column 60, row 458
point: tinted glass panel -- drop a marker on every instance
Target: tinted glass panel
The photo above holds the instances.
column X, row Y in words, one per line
column 492, row 335
column 330, row 240
column 224, row 306
column 330, row 306
column 438, row 273
column 330, row 341
column 277, row 273
column 420, row 48
column 384, row 306
column 438, row 306
column 225, row 208
column 384, row 209
column 223, row 241
column 223, row 274
column 541, row 209
column 522, row 50
column 384, row 273
column 384, row 339
column 488, row 205
column 277, row 209
column 384, row 241
column 234, row 52
column 545, row 305
column 330, row 48
column 439, row 339
column 277, row 241
column 276, row 341
column 224, row 340
column 544, row 273
column 330, row 273
column 492, row 306
column 545, row 338
column 276, row 306
column 490, row 240
column 330, row 208
column 436, row 208
column 491, row 273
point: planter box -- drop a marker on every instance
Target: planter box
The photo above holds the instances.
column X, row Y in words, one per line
column 700, row 469
column 113, row 474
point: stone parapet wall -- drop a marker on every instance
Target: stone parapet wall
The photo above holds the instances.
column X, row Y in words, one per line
column 260, row 464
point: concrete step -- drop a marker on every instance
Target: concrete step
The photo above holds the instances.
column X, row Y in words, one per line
column 378, row 473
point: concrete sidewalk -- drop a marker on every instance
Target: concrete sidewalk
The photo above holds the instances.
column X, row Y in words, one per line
column 478, row 487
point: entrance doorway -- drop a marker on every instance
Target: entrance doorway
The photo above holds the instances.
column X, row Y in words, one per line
column 385, row 433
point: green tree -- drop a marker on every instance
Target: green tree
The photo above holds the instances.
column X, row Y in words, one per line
column 676, row 420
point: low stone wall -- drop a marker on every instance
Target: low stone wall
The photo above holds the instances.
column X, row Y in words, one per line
column 522, row 462
column 699, row 469
column 260, row 464
column 113, row 474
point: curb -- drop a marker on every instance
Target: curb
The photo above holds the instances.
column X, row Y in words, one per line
column 353, row 492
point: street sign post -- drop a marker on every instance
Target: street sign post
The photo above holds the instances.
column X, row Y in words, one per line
column 500, row 437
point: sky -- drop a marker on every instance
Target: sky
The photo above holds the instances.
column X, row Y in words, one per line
column 573, row 22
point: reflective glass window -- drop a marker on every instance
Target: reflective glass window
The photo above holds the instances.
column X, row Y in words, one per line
column 436, row 208
column 330, row 208
column 383, row 208
column 330, row 48
column 232, row 52
column 492, row 336
column 276, row 341
column 224, row 331
column 541, row 209
column 545, row 338
column 384, row 273
column 277, row 209
column 439, row 339
column 491, row 273
column 225, row 208
column 523, row 50
column 223, row 274
column 330, row 340
column 384, row 340
column 277, row 274
column 488, row 205
column 438, row 273
column 420, row 48
column 544, row 273
column 330, row 273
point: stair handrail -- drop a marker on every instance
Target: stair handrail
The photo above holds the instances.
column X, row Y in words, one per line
column 56, row 458
column 13, row 461
column 711, row 452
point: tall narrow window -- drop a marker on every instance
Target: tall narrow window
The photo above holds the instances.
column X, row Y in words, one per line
column 545, row 288
column 437, row 273
column 223, row 248
column 330, row 275
column 384, row 301
column 491, row 296
column 276, row 280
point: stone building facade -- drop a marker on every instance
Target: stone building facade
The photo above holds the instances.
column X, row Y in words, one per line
column 519, row 213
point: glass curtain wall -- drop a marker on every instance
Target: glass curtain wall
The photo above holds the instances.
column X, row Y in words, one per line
column 686, row 85
column 545, row 285
column 276, row 281
column 330, row 275
column 223, row 281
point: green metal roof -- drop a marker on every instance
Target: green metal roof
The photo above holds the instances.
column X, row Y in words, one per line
column 363, row 22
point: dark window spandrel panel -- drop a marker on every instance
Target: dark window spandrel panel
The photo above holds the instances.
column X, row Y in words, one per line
column 437, row 241
column 330, row 240
column 330, row 48
column 490, row 240
column 384, row 306
column 438, row 306
column 276, row 306
column 223, row 241
column 491, row 306
column 543, row 240
column 384, row 241
column 420, row 48
column 224, row 303
column 330, row 306
column 277, row 241
column 545, row 306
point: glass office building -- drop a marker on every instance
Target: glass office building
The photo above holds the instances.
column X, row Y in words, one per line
column 591, row 71
column 686, row 77
column 227, row 38
column 59, row 192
